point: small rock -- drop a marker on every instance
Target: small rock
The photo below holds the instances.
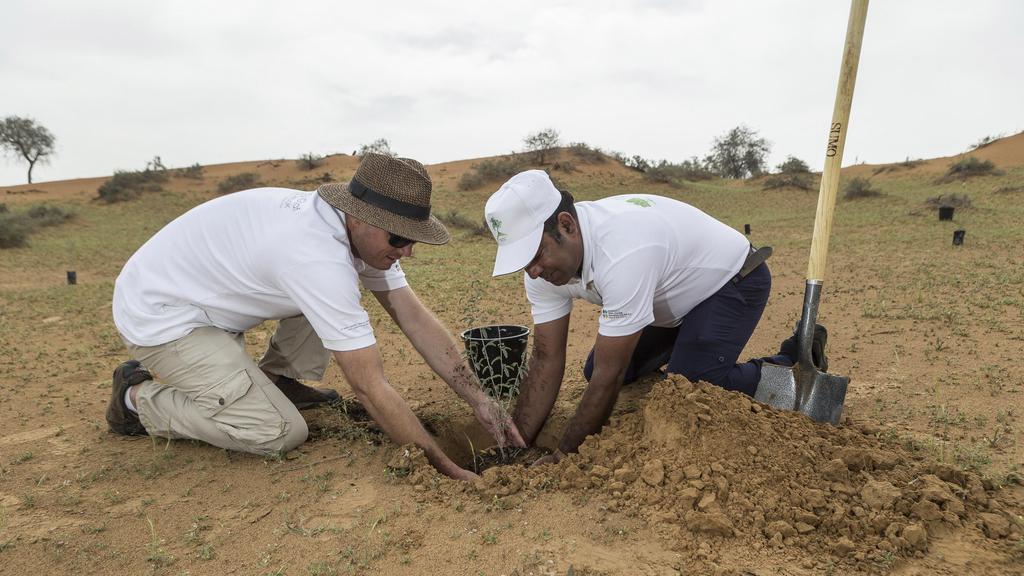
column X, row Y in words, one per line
column 691, row 471
column 706, row 501
column 916, row 536
column 625, row 474
column 836, row 471
column 994, row 525
column 781, row 527
column 751, row 450
column 687, row 497
column 934, row 489
column 806, row 517
column 815, row 498
column 803, row 528
column 856, row 459
column 713, row 523
column 926, row 510
column 955, row 506
column 600, row 471
column 843, row 547
column 653, row 473
column 879, row 495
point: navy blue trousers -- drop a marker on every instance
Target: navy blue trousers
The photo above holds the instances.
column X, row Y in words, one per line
column 706, row 345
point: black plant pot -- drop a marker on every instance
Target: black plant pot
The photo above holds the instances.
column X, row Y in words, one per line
column 945, row 212
column 958, row 237
column 498, row 356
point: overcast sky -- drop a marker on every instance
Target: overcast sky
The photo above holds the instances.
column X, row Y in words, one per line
column 120, row 81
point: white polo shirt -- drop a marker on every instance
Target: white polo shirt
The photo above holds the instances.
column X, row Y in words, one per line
column 240, row 259
column 647, row 260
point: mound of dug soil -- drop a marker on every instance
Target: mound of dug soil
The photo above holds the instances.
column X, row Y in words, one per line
column 722, row 476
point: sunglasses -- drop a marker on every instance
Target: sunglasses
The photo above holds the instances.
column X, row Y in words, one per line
column 397, row 241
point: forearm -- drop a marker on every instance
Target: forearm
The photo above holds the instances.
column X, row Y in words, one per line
column 594, row 408
column 396, row 418
column 538, row 391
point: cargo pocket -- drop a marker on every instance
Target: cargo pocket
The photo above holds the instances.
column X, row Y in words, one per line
column 240, row 409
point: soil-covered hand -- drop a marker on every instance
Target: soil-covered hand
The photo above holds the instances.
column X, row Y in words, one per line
column 461, row 474
column 553, row 458
column 499, row 423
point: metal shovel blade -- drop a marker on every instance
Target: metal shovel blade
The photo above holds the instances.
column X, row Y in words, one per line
column 803, row 389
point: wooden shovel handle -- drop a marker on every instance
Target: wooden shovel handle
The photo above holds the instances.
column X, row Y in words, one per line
column 836, row 142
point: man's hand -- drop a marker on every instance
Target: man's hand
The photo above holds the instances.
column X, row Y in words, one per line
column 463, row 474
column 553, row 458
column 497, row 421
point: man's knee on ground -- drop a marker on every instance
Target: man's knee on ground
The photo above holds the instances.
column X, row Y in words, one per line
column 296, row 434
column 717, row 376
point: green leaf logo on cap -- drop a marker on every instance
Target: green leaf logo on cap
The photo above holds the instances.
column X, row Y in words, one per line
column 496, row 226
column 642, row 202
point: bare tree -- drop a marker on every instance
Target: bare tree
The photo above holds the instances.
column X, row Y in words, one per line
column 540, row 143
column 26, row 138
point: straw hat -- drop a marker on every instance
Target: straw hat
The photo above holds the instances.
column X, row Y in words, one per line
column 392, row 194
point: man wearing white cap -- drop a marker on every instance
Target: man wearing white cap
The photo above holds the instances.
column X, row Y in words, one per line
column 675, row 285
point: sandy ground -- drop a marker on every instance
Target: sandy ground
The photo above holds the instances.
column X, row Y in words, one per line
column 921, row 477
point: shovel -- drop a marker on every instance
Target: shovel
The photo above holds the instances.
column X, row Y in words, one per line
column 803, row 387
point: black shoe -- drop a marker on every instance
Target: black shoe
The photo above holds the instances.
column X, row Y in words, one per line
column 304, row 397
column 789, row 347
column 120, row 419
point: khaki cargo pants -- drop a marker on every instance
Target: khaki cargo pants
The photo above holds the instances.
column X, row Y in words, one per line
column 209, row 388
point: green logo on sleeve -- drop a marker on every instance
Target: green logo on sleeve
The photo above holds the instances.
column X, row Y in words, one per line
column 642, row 202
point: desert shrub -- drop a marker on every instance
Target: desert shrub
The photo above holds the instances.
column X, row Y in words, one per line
column 586, row 154
column 860, row 188
column 236, row 182
column 968, row 167
column 905, row 165
column 309, row 161
column 800, row 181
column 454, row 219
column 693, row 169
column 128, row 184
column 985, row 141
column 665, row 172
column 378, row 146
column 635, row 162
column 48, row 214
column 955, row 200
column 540, row 144
column 660, row 173
column 492, row 169
column 564, row 166
column 793, row 165
column 3, row 208
column 193, row 172
column 13, row 230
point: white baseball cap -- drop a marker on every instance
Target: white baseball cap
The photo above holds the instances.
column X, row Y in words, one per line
column 516, row 214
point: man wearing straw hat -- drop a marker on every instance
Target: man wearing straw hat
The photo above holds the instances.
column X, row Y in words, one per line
column 676, row 287
column 184, row 300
